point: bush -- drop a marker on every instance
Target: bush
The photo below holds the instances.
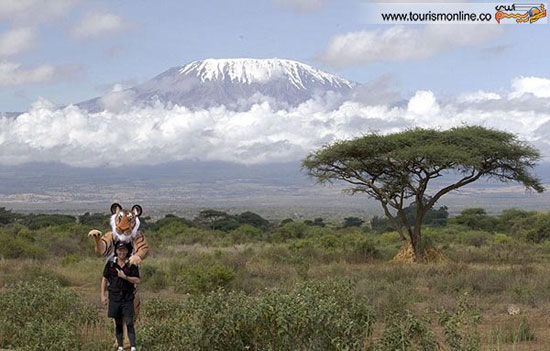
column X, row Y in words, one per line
column 19, row 247
column 475, row 238
column 7, row 216
column 313, row 316
column 474, row 218
column 44, row 220
column 540, row 228
column 352, row 222
column 40, row 315
column 390, row 238
column 253, row 219
column 169, row 220
column 290, row 230
column 329, row 241
column 245, row 233
column 515, row 221
column 70, row 259
column 366, row 249
column 153, row 278
column 514, row 330
column 300, row 245
column 460, row 326
column 502, row 239
column 94, row 220
column 204, row 278
column 405, row 331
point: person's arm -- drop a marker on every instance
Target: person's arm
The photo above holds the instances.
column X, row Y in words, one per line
column 134, row 275
column 133, row 280
column 103, row 290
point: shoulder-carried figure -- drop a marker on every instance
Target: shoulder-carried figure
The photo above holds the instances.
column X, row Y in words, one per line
column 124, row 228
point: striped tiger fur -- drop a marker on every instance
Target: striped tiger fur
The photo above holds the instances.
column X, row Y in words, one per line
column 125, row 228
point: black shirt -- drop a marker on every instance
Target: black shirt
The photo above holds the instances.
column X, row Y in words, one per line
column 120, row 289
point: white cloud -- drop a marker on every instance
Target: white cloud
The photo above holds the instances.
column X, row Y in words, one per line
column 404, row 43
column 33, row 11
column 478, row 96
column 118, row 99
column 423, row 103
column 301, row 6
column 156, row 134
column 539, row 87
column 94, row 25
column 11, row 74
column 16, row 41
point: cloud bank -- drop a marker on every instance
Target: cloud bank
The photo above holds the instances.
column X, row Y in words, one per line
column 261, row 134
column 404, row 43
column 15, row 41
column 95, row 25
column 33, row 11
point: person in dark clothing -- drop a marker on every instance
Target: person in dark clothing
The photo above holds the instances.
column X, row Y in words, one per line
column 120, row 278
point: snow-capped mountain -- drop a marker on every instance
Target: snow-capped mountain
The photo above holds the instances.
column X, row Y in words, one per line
column 235, row 83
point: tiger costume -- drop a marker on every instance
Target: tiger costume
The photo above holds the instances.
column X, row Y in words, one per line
column 125, row 228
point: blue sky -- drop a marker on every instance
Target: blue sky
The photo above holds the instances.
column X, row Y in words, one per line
column 130, row 41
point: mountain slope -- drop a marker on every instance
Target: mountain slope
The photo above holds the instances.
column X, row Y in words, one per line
column 234, row 83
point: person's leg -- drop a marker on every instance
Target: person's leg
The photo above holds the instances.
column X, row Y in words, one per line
column 115, row 312
column 131, row 332
column 119, row 331
column 128, row 312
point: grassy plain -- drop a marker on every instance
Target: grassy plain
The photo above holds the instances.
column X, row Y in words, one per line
column 295, row 286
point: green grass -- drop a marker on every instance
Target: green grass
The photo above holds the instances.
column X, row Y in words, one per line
column 250, row 287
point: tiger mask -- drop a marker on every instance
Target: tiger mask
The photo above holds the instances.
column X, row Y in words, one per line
column 125, row 223
column 125, row 228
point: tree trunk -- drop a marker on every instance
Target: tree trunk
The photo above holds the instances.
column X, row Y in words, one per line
column 416, row 240
column 416, row 235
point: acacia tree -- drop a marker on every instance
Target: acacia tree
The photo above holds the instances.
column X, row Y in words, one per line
column 396, row 169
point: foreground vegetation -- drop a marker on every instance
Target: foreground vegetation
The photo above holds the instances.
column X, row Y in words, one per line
column 231, row 282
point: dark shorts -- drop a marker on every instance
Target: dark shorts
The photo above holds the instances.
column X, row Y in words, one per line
column 120, row 310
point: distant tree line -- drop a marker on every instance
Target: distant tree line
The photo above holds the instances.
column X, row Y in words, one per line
column 530, row 225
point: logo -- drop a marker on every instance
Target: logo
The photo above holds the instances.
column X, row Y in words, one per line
column 521, row 13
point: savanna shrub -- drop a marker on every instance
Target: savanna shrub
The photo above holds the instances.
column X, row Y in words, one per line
column 300, row 244
column 502, row 239
column 475, row 238
column 70, row 259
column 514, row 330
column 40, row 315
column 290, row 230
column 245, row 233
column 329, row 241
column 364, row 250
column 313, row 316
column 460, row 326
column 153, row 278
column 203, row 278
column 390, row 238
column 405, row 331
column 540, row 228
column 19, row 247
column 47, row 220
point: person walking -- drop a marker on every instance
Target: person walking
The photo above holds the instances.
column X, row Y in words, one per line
column 120, row 279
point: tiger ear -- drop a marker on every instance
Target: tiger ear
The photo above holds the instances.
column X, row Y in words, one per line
column 116, row 208
column 137, row 210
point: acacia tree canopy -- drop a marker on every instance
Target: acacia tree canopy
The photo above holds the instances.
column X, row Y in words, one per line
column 396, row 168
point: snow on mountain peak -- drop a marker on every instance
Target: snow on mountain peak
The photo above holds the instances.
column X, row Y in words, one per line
column 234, row 83
column 248, row 71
